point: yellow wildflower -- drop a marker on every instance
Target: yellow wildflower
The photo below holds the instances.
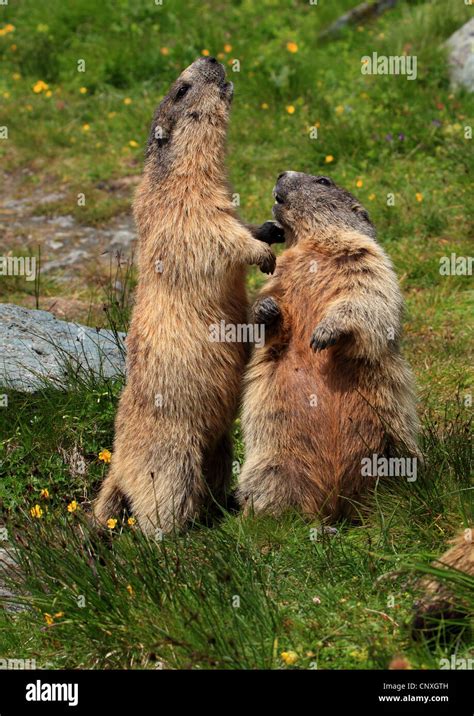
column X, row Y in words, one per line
column 44, row 493
column 359, row 183
column 48, row 619
column 359, row 654
column 227, row 48
column 133, row 143
column 5, row 30
column 83, row 90
column 329, row 159
column 106, row 455
column 290, row 109
column 264, row 105
column 111, row 523
column 73, row 506
column 86, row 127
column 292, row 47
column 206, row 53
column 36, row 511
column 131, row 521
column 419, row 197
column 40, row 86
column 289, row 657
column 164, row 51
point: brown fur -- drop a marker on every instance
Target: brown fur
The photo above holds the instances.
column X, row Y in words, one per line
column 438, row 601
column 172, row 448
column 335, row 288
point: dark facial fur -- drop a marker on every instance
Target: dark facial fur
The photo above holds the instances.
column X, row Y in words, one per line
column 199, row 97
column 306, row 204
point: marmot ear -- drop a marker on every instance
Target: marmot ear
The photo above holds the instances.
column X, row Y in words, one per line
column 360, row 211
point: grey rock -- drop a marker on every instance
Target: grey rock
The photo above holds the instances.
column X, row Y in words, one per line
column 7, row 598
column 50, row 198
column 461, row 56
column 55, row 244
column 65, row 222
column 122, row 238
column 71, row 258
column 35, row 345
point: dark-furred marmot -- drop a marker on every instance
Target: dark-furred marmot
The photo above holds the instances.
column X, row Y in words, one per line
column 329, row 396
column 172, row 449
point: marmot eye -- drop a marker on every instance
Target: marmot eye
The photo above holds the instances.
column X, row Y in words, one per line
column 182, row 91
column 324, row 181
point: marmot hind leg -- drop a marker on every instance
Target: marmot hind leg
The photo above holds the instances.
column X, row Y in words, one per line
column 265, row 486
column 272, row 487
column 162, row 487
column 110, row 501
column 172, row 496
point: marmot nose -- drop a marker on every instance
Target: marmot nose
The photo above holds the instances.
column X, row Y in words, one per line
column 212, row 60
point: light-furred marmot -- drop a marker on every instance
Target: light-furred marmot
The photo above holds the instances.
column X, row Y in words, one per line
column 329, row 390
column 172, row 448
column 438, row 604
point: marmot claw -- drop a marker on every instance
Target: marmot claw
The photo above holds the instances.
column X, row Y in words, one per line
column 267, row 262
column 323, row 337
column 266, row 310
column 270, row 233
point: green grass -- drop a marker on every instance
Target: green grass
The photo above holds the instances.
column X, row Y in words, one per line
column 340, row 602
column 130, row 602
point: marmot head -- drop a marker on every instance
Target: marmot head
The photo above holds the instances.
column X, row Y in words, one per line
column 306, row 204
column 198, row 99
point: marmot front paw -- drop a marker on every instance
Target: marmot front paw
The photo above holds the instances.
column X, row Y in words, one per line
column 270, row 233
column 266, row 311
column 324, row 336
column 267, row 260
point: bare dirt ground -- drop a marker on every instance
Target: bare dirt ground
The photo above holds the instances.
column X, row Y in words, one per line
column 76, row 259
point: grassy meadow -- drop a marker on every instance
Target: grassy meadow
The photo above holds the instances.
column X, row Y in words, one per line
column 258, row 592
